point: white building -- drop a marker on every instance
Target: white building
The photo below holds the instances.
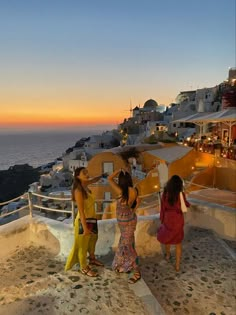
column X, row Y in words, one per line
column 205, row 100
column 81, row 161
column 73, row 155
column 153, row 127
column 55, row 180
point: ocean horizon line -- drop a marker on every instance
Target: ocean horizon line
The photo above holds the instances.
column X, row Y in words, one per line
column 39, row 147
column 57, row 130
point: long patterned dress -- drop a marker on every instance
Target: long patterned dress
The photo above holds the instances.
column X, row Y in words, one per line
column 126, row 258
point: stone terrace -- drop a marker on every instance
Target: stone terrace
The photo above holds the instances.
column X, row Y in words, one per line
column 33, row 282
column 206, row 284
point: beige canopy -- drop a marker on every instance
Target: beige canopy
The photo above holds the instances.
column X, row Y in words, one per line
column 226, row 116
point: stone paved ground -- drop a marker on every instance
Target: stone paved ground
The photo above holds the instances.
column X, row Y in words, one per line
column 33, row 282
column 206, row 284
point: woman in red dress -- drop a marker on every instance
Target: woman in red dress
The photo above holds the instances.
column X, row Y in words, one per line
column 171, row 231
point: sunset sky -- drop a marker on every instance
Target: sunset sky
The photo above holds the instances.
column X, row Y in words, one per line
column 84, row 62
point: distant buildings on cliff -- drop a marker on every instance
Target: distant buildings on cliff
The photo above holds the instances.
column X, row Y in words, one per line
column 148, row 124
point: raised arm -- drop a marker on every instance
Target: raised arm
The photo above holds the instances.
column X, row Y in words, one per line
column 111, row 180
column 94, row 179
column 136, row 198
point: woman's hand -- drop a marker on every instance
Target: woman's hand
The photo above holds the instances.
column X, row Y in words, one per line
column 87, row 232
column 104, row 175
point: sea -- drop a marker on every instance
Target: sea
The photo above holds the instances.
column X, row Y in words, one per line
column 40, row 147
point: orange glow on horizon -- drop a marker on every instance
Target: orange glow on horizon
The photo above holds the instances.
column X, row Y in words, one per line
column 54, row 121
column 53, row 115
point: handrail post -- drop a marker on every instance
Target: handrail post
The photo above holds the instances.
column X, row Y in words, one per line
column 73, row 211
column 30, row 204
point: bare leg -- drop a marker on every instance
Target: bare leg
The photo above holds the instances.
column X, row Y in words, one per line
column 91, row 250
column 167, row 256
column 178, row 256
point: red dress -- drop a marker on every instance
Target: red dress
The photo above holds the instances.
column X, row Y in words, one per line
column 171, row 230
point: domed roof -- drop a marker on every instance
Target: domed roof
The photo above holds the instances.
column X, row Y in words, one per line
column 150, row 104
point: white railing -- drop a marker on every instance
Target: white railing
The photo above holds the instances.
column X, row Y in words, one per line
column 37, row 201
column 31, row 205
column 190, row 183
column 40, row 206
column 16, row 210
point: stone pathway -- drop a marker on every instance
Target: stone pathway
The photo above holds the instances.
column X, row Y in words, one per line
column 33, row 282
column 206, row 284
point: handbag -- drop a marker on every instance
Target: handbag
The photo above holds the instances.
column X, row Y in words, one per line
column 91, row 224
column 182, row 202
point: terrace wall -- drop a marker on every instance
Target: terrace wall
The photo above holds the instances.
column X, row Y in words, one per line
column 59, row 237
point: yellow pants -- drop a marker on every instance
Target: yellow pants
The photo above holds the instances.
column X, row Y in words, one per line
column 83, row 244
column 86, row 244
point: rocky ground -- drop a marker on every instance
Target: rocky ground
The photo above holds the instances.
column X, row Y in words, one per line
column 16, row 180
column 33, row 282
column 206, row 284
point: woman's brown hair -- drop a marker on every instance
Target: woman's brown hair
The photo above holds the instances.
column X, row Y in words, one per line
column 172, row 189
column 125, row 181
column 77, row 184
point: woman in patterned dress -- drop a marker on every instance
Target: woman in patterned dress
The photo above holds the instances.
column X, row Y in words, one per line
column 126, row 258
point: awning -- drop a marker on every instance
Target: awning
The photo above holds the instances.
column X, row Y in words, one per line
column 197, row 116
column 226, row 116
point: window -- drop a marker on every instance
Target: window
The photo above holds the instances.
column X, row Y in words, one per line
column 108, row 167
column 107, row 195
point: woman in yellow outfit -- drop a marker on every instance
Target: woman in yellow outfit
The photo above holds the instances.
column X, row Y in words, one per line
column 85, row 228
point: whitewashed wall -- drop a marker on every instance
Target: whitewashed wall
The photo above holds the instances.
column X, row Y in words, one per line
column 59, row 236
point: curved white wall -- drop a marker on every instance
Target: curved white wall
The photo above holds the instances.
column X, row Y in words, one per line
column 59, row 237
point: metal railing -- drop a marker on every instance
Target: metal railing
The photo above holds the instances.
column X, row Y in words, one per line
column 39, row 201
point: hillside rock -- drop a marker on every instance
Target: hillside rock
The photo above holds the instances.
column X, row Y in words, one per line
column 16, row 180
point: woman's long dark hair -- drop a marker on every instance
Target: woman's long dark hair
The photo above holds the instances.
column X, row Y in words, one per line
column 172, row 189
column 125, row 181
column 77, row 184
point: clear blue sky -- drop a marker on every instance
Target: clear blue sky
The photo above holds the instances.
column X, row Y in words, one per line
column 89, row 56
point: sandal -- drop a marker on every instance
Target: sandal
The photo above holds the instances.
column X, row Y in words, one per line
column 135, row 277
column 119, row 270
column 88, row 272
column 95, row 262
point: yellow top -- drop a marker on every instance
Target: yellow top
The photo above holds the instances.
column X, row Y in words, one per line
column 89, row 207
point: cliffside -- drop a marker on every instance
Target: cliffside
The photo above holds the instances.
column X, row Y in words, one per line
column 16, row 180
